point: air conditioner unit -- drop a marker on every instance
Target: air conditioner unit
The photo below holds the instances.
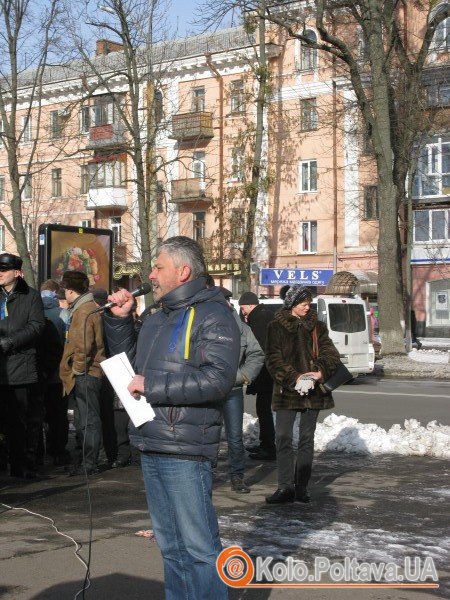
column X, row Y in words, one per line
column 254, row 268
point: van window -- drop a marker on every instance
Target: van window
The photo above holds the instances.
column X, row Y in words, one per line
column 347, row 318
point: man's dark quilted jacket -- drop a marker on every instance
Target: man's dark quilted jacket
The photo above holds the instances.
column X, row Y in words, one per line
column 188, row 353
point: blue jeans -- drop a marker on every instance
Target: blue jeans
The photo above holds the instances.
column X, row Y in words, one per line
column 233, row 410
column 179, row 496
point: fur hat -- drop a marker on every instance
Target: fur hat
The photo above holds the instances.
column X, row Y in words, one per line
column 297, row 294
column 248, row 298
column 76, row 281
column 10, row 261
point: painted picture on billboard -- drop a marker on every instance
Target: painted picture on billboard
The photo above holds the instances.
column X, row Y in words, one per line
column 67, row 248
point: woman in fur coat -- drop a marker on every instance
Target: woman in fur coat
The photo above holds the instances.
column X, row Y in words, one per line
column 296, row 372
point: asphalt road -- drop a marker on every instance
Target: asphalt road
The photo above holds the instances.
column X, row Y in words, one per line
column 387, row 401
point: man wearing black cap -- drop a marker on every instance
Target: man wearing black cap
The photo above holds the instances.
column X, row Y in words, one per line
column 258, row 318
column 22, row 321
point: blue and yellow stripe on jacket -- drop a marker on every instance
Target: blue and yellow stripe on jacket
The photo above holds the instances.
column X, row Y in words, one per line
column 181, row 334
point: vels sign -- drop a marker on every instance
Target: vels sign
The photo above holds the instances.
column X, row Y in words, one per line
column 295, row 276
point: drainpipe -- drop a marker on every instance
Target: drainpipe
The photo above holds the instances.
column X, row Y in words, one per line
column 221, row 150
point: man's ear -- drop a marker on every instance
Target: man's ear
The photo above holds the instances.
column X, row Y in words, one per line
column 185, row 273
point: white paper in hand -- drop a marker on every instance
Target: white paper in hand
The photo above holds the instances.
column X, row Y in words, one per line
column 119, row 371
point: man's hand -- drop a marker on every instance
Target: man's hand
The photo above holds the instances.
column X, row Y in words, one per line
column 124, row 302
column 6, row 344
column 136, row 386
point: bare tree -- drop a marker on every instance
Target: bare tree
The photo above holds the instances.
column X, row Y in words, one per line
column 28, row 37
column 136, row 28
column 388, row 88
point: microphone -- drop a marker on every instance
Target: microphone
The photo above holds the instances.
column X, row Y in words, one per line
column 142, row 290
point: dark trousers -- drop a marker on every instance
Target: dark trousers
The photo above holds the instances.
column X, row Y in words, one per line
column 24, row 415
column 56, row 418
column 295, row 467
column 121, row 422
column 87, row 417
column 265, row 417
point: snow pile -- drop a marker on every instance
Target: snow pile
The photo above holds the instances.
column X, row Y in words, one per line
column 345, row 434
column 429, row 356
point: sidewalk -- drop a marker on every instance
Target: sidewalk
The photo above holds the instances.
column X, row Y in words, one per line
column 370, row 508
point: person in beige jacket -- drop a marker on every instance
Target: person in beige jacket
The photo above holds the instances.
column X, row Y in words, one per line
column 80, row 369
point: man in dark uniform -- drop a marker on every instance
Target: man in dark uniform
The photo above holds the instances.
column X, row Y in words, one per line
column 258, row 318
column 22, row 322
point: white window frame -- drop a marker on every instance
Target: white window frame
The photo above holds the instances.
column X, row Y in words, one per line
column 308, row 56
column 237, row 100
column 430, row 166
column 2, row 188
column 27, row 192
column 199, row 225
column 115, row 224
column 198, row 166
column 307, row 237
column 56, row 183
column 441, row 39
column 2, row 130
column 86, row 223
column 432, row 216
column 107, row 174
column 304, row 187
column 27, row 135
column 2, row 237
column 198, row 99
column 309, row 118
column 85, row 118
column 237, row 164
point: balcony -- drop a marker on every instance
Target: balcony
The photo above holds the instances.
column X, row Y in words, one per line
column 106, row 198
column 189, row 190
column 106, row 136
column 192, row 126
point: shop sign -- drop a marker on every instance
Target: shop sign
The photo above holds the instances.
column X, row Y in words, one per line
column 295, row 276
column 126, row 269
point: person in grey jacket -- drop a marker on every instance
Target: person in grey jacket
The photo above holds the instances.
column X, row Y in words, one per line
column 251, row 360
column 186, row 357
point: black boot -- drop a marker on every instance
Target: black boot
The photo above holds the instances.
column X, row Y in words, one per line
column 281, row 496
column 301, row 494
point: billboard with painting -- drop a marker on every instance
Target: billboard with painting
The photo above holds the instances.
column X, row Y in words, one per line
column 67, row 248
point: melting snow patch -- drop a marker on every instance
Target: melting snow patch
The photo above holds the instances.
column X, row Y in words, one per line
column 345, row 434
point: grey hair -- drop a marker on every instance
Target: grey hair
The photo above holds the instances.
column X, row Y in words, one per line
column 185, row 250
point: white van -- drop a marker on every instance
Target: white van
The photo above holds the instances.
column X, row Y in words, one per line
column 347, row 322
column 346, row 319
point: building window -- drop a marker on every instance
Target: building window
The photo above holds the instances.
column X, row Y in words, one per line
column 237, row 101
column 371, row 210
column 438, row 94
column 432, row 176
column 102, row 174
column 26, row 129
column 237, row 164
column 441, row 39
column 104, row 111
column 199, row 225
column 308, row 176
column 85, row 224
column 56, row 124
column 27, row 192
column 308, row 237
column 237, row 225
column 432, row 225
column 198, row 166
column 116, row 225
column 198, row 99
column 56, row 183
column 85, row 119
column 29, row 236
column 308, row 114
column 308, row 55
column 2, row 189
column 2, row 237
column 2, row 132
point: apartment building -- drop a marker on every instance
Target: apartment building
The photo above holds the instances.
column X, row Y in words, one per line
column 319, row 209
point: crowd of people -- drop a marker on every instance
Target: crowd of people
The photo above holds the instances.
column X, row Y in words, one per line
column 192, row 356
